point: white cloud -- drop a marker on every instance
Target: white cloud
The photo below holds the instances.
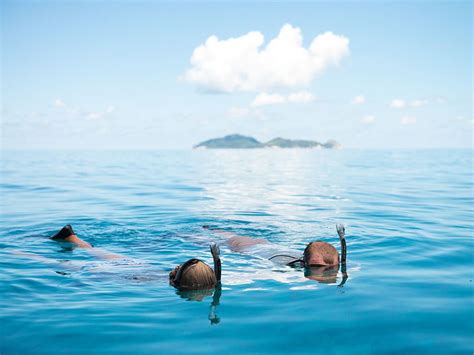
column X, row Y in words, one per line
column 301, row 97
column 73, row 111
column 59, row 103
column 398, row 103
column 406, row 120
column 99, row 114
column 94, row 115
column 358, row 100
column 268, row 99
column 369, row 119
column 418, row 103
column 401, row 103
column 243, row 64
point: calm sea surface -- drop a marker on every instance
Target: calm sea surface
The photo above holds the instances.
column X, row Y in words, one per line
column 409, row 221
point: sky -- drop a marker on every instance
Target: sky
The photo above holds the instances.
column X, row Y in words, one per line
column 167, row 75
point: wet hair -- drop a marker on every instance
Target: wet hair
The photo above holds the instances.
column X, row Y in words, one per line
column 327, row 252
column 194, row 274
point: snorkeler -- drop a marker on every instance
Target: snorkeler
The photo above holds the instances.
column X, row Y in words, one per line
column 194, row 274
column 320, row 259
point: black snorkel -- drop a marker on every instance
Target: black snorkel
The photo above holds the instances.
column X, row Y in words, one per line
column 341, row 231
column 215, row 251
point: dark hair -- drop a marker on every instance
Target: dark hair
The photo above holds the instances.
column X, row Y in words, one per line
column 194, row 274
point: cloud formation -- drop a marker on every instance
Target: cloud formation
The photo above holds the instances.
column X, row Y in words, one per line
column 418, row 103
column 88, row 115
column 59, row 103
column 401, row 103
column 244, row 64
column 398, row 103
column 358, row 100
column 369, row 119
column 272, row 99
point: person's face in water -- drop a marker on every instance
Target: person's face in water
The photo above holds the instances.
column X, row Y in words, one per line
column 320, row 254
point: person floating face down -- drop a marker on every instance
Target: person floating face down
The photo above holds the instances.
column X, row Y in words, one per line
column 195, row 274
column 320, row 259
column 195, row 280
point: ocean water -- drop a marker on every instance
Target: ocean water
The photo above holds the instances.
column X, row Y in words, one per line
column 409, row 222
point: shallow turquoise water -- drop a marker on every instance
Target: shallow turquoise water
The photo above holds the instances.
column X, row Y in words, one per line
column 409, row 221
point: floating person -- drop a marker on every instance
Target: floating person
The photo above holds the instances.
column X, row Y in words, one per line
column 194, row 279
column 194, row 274
column 320, row 259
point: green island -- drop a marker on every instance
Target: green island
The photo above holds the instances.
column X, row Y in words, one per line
column 238, row 141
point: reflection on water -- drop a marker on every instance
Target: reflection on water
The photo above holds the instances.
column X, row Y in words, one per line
column 199, row 295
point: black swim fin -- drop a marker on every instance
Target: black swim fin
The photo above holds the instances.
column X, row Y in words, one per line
column 65, row 232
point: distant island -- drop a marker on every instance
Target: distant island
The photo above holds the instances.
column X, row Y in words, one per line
column 237, row 141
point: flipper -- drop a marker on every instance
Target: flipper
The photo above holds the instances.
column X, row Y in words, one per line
column 65, row 232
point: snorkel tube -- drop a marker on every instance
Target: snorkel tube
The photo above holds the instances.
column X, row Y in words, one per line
column 341, row 231
column 215, row 251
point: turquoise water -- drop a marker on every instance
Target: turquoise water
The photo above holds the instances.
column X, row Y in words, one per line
column 409, row 222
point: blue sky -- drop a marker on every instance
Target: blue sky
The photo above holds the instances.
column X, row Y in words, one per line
column 120, row 75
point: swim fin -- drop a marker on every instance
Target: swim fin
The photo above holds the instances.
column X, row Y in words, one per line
column 65, row 232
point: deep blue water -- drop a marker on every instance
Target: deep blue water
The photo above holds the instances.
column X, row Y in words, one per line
column 409, row 221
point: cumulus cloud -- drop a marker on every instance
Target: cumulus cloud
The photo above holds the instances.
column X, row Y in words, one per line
column 268, row 99
column 406, row 120
column 401, row 103
column 418, row 103
column 358, row 100
column 369, row 119
column 88, row 115
column 100, row 114
column 245, row 64
column 398, row 103
column 272, row 99
column 301, row 97
column 59, row 103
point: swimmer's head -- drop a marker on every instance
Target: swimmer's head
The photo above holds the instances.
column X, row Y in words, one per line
column 320, row 254
column 194, row 274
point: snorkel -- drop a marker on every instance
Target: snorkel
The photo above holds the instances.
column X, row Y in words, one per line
column 301, row 262
column 341, row 231
column 216, row 252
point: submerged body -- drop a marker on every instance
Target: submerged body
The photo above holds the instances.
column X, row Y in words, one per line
column 194, row 274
